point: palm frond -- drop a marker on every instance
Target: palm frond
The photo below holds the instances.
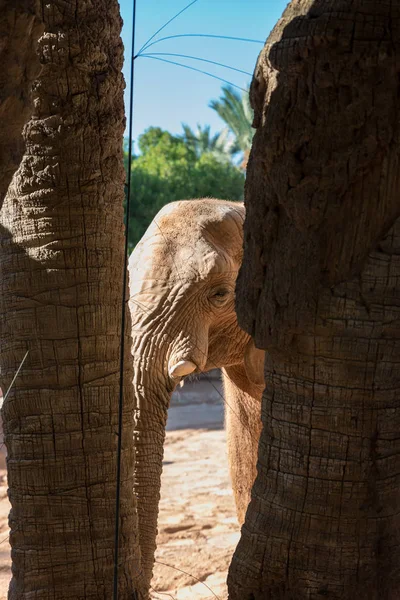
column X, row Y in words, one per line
column 235, row 110
column 222, row 144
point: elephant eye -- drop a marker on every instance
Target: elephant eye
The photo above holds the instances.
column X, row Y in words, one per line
column 220, row 296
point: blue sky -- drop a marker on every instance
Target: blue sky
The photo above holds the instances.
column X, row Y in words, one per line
column 167, row 95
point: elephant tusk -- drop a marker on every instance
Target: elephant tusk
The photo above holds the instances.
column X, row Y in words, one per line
column 182, row 368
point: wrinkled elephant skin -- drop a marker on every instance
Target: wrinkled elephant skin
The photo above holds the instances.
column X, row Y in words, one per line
column 182, row 301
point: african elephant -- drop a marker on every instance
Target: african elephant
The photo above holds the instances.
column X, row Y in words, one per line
column 182, row 284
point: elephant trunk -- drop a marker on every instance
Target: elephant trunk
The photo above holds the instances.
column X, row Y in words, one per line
column 152, row 398
column 165, row 349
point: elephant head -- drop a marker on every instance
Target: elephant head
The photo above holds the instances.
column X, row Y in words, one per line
column 182, row 288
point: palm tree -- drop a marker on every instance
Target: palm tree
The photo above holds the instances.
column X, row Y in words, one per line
column 319, row 288
column 221, row 144
column 235, row 110
column 61, row 268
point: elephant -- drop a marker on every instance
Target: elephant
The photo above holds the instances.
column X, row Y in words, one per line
column 182, row 302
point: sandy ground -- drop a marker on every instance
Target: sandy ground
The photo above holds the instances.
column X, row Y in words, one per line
column 198, row 530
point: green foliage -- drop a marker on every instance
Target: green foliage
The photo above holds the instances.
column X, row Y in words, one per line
column 170, row 169
column 150, row 138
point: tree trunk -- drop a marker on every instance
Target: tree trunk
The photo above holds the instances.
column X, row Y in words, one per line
column 61, row 273
column 319, row 289
column 19, row 32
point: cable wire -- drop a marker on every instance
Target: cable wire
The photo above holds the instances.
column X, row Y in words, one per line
column 145, row 45
column 172, row 62
column 212, row 62
column 123, row 312
column 206, row 35
column 15, row 377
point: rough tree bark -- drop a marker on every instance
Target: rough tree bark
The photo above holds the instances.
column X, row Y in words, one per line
column 19, row 31
column 319, row 289
column 61, row 264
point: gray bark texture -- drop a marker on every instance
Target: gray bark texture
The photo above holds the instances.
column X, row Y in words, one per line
column 319, row 289
column 61, row 267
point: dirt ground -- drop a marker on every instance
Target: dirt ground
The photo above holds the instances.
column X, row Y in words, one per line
column 198, row 530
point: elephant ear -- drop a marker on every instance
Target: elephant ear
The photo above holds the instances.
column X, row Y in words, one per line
column 254, row 363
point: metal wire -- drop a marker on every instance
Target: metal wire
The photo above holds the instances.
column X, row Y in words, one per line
column 123, row 312
column 145, row 45
column 158, row 562
column 173, row 62
column 211, row 62
column 206, row 35
column 15, row 377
